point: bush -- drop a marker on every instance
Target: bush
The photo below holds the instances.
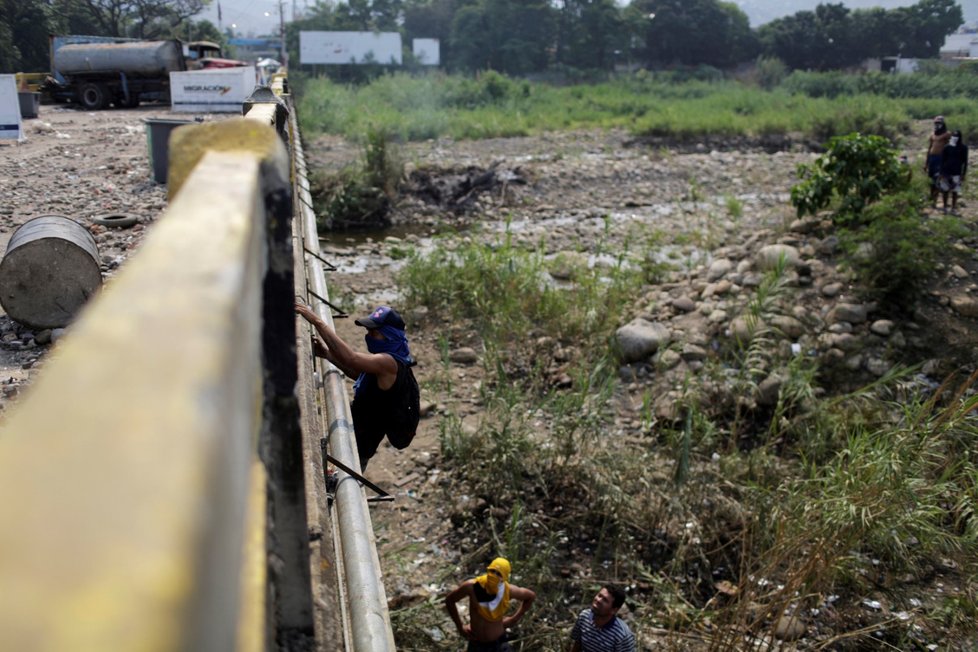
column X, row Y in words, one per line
column 361, row 195
column 770, row 72
column 897, row 253
column 857, row 170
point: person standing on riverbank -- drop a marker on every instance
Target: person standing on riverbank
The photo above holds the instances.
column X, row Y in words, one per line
column 489, row 597
column 599, row 629
column 954, row 167
column 935, row 149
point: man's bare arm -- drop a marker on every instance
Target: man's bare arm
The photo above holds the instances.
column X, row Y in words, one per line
column 344, row 356
column 526, row 598
column 462, row 591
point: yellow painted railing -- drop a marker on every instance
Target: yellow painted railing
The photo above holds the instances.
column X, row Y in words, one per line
column 161, row 484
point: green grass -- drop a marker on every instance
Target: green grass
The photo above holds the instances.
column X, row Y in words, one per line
column 825, row 494
column 815, row 106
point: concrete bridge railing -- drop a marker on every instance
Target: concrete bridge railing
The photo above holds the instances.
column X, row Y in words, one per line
column 161, row 483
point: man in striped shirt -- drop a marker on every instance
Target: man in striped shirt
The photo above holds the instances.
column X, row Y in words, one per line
column 599, row 629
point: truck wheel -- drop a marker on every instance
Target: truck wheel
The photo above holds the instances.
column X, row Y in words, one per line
column 93, row 96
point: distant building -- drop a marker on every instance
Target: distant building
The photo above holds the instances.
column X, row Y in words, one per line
column 900, row 65
column 253, row 49
column 963, row 44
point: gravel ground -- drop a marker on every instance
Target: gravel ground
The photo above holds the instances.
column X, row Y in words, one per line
column 80, row 165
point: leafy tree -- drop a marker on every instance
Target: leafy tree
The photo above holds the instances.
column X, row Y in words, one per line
column 9, row 54
column 512, row 36
column 856, row 169
column 24, row 29
column 431, row 19
column 136, row 18
column 589, row 32
column 822, row 39
column 366, row 15
column 692, row 32
column 70, row 17
column 927, row 24
column 833, row 37
column 470, row 41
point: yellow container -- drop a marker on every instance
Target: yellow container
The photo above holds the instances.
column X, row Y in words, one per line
column 30, row 81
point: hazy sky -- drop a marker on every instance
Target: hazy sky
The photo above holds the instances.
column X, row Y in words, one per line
column 249, row 15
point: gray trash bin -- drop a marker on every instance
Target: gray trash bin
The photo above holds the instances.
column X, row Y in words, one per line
column 30, row 103
column 158, row 138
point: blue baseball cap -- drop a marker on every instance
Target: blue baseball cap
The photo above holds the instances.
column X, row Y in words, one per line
column 382, row 316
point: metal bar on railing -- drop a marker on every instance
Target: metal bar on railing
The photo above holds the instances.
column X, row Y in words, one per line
column 366, row 607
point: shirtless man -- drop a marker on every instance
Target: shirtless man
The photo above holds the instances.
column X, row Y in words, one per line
column 936, row 143
column 489, row 597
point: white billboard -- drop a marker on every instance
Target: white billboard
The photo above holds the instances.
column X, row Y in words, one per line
column 216, row 90
column 350, row 47
column 427, row 51
column 10, row 128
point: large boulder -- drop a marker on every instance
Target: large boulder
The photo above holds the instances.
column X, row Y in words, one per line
column 767, row 258
column 640, row 338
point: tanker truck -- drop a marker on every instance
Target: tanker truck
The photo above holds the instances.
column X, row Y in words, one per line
column 107, row 71
column 95, row 71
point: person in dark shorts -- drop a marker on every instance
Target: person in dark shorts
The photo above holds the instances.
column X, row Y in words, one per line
column 954, row 167
column 489, row 597
column 386, row 400
column 936, row 143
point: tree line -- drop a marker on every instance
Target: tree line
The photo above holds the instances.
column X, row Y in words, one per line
column 26, row 24
column 525, row 36
column 519, row 37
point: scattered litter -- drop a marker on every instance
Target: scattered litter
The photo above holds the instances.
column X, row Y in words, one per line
column 873, row 604
column 410, row 477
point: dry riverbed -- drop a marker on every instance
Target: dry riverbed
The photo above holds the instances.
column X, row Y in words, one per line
column 587, row 196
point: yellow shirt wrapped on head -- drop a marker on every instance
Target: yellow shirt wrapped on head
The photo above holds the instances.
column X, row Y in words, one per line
column 492, row 591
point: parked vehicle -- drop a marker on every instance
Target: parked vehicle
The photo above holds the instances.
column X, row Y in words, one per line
column 98, row 71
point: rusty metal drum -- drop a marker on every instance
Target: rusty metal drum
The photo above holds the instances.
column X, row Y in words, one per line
column 49, row 271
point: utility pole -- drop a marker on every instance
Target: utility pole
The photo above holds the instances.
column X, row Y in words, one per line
column 281, row 26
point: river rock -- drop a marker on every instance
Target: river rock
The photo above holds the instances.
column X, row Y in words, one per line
column 877, row 366
column 830, row 290
column 717, row 316
column 853, row 313
column 829, row 245
column 959, row 272
column 669, row 359
column 693, row 352
column 790, row 326
column 464, row 355
column 964, row 305
column 769, row 256
column 684, row 304
column 718, row 269
column 769, row 389
column 639, row 339
column 742, row 330
column 789, row 628
column 881, row 327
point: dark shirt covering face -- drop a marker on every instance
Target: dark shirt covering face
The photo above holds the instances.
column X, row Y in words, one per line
column 954, row 160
